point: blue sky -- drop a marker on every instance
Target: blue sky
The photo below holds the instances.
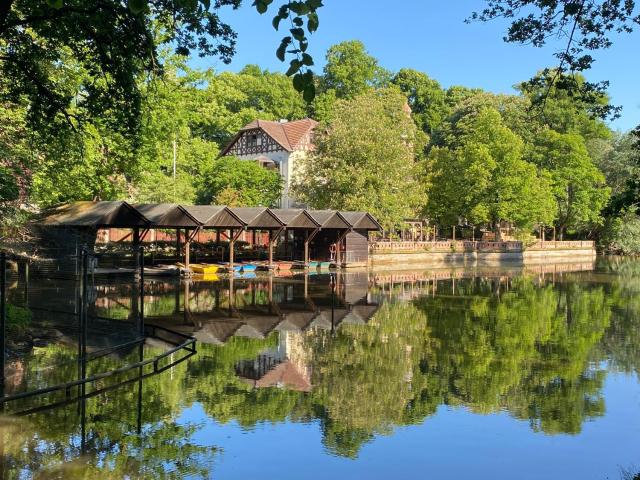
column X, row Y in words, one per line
column 431, row 36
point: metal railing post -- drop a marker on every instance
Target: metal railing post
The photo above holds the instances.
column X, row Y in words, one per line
column 3, row 314
column 82, row 321
column 141, row 292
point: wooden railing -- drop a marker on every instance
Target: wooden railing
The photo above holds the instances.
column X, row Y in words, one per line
column 386, row 246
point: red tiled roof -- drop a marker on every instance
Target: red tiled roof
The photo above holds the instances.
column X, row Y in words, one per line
column 287, row 375
column 288, row 134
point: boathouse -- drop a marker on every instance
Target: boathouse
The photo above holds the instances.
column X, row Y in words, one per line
column 300, row 235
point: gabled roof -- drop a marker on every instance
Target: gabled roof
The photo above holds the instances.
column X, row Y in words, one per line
column 286, row 374
column 257, row 217
column 361, row 220
column 214, row 216
column 169, row 215
column 329, row 219
column 94, row 214
column 295, row 218
column 288, row 135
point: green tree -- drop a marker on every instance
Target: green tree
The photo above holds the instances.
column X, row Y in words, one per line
column 9, row 190
column 246, row 182
column 621, row 167
column 231, row 100
column 426, row 98
column 565, row 112
column 364, row 159
column 497, row 184
column 350, row 70
column 578, row 186
column 621, row 233
column 37, row 39
column 90, row 164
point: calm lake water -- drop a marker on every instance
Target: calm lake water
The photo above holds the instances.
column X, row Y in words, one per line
column 483, row 373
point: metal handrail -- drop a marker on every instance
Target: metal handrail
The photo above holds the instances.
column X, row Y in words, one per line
column 188, row 345
column 100, row 391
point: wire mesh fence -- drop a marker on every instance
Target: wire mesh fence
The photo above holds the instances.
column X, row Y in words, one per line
column 69, row 328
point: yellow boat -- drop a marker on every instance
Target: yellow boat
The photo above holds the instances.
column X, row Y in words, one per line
column 209, row 277
column 201, row 268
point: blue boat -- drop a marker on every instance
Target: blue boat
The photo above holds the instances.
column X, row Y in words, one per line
column 249, row 267
column 236, row 267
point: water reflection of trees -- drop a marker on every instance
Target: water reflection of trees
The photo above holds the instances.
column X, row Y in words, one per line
column 526, row 351
column 524, row 345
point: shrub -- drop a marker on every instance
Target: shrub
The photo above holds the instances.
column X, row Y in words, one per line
column 621, row 234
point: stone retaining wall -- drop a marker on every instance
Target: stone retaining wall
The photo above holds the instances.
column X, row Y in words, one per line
column 477, row 258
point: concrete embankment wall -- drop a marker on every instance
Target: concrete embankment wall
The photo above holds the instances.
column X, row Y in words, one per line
column 478, row 258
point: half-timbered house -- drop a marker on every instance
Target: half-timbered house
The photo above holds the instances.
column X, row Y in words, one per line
column 279, row 145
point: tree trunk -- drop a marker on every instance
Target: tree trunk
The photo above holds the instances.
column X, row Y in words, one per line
column 498, row 232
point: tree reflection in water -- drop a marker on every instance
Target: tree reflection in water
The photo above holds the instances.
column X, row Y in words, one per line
column 386, row 351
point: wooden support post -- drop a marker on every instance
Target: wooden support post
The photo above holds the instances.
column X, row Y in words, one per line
column 231, row 253
column 187, row 249
column 454, row 233
column 307, row 241
column 341, row 237
column 272, row 241
column 232, row 242
column 178, row 246
column 270, row 248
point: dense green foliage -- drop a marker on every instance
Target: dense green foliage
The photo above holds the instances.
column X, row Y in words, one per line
column 498, row 184
column 39, row 40
column 364, row 159
column 460, row 155
column 621, row 233
column 235, row 182
column 350, row 70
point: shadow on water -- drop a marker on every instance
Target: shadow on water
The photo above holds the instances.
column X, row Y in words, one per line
column 359, row 354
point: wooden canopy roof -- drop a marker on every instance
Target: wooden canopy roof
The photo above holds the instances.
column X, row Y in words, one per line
column 329, row 219
column 214, row 216
column 361, row 220
column 118, row 214
column 257, row 217
column 94, row 214
column 295, row 218
column 166, row 215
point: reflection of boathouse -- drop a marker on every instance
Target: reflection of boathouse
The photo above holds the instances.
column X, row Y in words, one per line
column 261, row 308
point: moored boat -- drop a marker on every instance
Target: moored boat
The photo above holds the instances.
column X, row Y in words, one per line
column 204, row 268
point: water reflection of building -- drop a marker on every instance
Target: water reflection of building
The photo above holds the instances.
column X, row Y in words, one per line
column 259, row 308
column 288, row 365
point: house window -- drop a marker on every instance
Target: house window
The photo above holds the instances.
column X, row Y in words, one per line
column 253, row 140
